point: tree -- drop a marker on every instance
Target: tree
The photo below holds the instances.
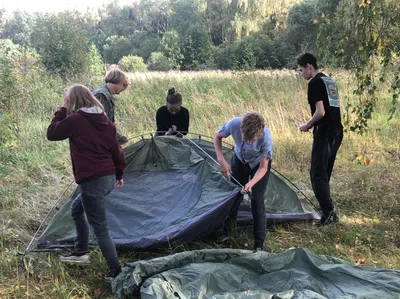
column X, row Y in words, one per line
column 132, row 64
column 117, row 47
column 369, row 45
column 170, row 47
column 18, row 28
column 303, row 26
column 62, row 44
column 158, row 62
column 195, row 47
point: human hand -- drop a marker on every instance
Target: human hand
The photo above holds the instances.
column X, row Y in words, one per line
column 65, row 102
column 120, row 183
column 303, row 127
column 247, row 188
column 225, row 169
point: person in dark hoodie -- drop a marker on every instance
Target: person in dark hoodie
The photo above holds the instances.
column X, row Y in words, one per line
column 116, row 82
column 172, row 117
column 98, row 165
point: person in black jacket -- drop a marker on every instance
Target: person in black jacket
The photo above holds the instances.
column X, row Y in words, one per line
column 173, row 117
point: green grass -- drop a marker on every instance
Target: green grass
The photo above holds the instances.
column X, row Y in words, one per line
column 34, row 171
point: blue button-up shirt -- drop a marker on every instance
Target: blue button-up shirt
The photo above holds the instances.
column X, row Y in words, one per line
column 248, row 153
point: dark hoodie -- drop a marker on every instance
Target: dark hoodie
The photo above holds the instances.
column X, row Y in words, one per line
column 94, row 147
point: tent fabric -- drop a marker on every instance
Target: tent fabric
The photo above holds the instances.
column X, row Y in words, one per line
column 230, row 273
column 173, row 192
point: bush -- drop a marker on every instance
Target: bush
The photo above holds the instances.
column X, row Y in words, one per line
column 158, row 62
column 132, row 63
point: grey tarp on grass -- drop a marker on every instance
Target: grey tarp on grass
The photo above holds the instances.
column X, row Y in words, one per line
column 230, row 273
column 173, row 192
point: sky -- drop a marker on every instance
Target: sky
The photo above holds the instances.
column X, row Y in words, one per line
column 53, row 5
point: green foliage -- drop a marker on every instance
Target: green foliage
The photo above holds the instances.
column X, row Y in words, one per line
column 302, row 26
column 18, row 28
column 170, row 47
column 62, row 44
column 132, row 64
column 365, row 37
column 144, row 44
column 117, row 47
column 195, row 46
column 158, row 62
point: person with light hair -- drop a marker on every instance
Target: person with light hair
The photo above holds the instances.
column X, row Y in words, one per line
column 250, row 166
column 116, row 81
column 98, row 165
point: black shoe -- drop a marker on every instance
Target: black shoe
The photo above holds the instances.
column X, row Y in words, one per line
column 113, row 273
column 331, row 218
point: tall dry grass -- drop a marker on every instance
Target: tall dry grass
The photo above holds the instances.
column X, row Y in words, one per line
column 33, row 171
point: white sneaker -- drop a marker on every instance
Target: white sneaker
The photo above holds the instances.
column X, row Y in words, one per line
column 74, row 257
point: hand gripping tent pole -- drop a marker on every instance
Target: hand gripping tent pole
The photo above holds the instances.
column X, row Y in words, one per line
column 216, row 162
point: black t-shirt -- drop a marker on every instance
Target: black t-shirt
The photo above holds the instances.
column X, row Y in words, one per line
column 165, row 120
column 317, row 91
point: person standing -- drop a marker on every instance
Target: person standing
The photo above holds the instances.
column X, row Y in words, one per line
column 98, row 165
column 116, row 81
column 323, row 98
column 250, row 166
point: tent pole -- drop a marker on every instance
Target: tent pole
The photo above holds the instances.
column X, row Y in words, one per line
column 45, row 218
column 233, row 178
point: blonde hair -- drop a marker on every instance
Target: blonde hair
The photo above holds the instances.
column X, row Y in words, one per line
column 252, row 126
column 116, row 76
column 80, row 96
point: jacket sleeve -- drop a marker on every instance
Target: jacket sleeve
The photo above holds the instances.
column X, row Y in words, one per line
column 119, row 159
column 162, row 126
column 61, row 126
column 106, row 105
column 185, row 127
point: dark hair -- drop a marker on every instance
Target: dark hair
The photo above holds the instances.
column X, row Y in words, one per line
column 307, row 58
column 173, row 97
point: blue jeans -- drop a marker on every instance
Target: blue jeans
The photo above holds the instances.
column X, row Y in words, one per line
column 89, row 208
column 242, row 172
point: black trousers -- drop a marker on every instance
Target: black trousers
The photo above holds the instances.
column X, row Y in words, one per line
column 323, row 155
column 242, row 172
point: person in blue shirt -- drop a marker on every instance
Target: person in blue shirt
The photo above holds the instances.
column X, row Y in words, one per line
column 250, row 166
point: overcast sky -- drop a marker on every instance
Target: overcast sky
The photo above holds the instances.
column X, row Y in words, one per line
column 52, row 5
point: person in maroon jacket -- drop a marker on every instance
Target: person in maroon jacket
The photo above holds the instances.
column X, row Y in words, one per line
column 98, row 165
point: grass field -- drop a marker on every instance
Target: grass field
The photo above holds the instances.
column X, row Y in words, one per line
column 34, row 171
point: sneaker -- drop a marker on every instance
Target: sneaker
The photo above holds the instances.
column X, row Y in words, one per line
column 76, row 258
column 330, row 219
column 258, row 249
column 113, row 273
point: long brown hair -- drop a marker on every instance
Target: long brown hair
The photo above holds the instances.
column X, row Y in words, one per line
column 80, row 96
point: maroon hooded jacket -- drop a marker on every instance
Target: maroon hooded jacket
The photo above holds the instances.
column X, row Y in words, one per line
column 94, row 147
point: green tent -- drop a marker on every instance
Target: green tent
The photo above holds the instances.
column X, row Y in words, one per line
column 173, row 193
column 230, row 273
